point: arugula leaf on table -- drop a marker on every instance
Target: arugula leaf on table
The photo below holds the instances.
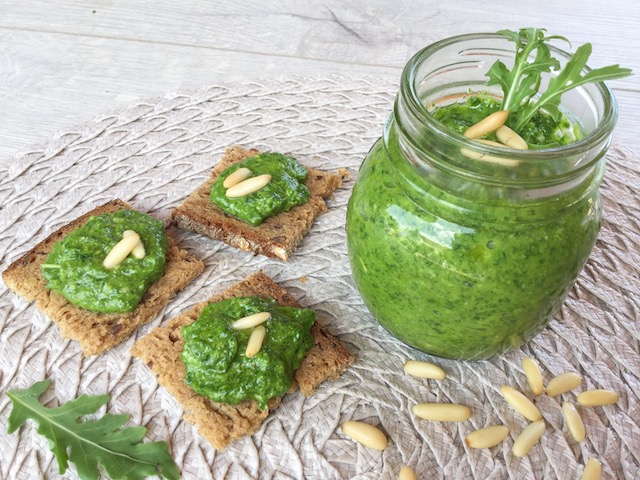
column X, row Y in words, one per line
column 89, row 443
column 521, row 84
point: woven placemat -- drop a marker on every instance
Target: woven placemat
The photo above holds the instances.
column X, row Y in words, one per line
column 154, row 153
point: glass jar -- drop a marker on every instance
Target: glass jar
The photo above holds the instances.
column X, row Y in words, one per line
column 464, row 250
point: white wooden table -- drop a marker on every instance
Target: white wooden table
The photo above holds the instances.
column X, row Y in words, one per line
column 64, row 62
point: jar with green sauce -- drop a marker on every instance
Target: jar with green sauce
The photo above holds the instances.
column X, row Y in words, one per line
column 464, row 250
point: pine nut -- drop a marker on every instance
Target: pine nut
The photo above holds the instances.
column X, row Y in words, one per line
column 407, row 473
column 597, row 398
column 236, row 177
column 573, row 421
column 507, row 162
column 487, row 437
column 138, row 251
column 528, row 438
column 366, row 434
column 255, row 340
column 563, row 383
column 533, row 374
column 511, row 139
column 251, row 321
column 520, row 403
column 442, row 412
column 249, row 186
column 419, row 369
column 490, row 142
column 120, row 251
column 592, row 470
column 280, row 252
column 487, row 125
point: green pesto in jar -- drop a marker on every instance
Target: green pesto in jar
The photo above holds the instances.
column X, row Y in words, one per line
column 464, row 277
column 286, row 189
column 542, row 131
column 214, row 353
column 74, row 267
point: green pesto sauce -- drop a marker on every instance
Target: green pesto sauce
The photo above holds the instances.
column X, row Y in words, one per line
column 74, row 267
column 457, row 277
column 542, row 131
column 214, row 353
column 285, row 190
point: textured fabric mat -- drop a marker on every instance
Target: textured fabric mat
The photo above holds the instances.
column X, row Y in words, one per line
column 154, row 153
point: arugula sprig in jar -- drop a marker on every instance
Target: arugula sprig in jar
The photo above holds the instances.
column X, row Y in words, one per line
column 465, row 247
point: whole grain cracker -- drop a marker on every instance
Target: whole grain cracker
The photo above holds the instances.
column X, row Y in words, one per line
column 221, row 423
column 278, row 235
column 97, row 332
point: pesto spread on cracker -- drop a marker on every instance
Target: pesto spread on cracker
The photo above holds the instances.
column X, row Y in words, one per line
column 75, row 268
column 215, row 353
column 274, row 183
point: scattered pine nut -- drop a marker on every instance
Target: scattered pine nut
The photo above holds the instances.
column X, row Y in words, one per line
column 528, row 438
column 487, row 437
column 442, row 412
column 487, row 125
column 120, row 251
column 236, row 177
column 407, row 473
column 251, row 321
column 419, row 369
column 563, row 383
column 255, row 340
column 573, row 421
column 597, row 398
column 521, row 403
column 533, row 374
column 592, row 470
column 248, row 186
column 138, row 251
column 366, row 434
column 511, row 139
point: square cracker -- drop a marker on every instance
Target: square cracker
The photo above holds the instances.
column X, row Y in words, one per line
column 278, row 235
column 221, row 423
column 97, row 332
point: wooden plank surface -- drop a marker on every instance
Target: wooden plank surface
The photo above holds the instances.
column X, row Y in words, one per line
column 64, row 62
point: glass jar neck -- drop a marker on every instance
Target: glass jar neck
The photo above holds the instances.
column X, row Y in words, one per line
column 448, row 72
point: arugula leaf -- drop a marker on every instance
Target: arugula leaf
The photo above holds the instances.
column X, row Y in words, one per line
column 521, row 84
column 90, row 443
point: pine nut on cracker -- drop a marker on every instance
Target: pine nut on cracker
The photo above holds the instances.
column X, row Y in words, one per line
column 236, row 177
column 248, row 186
column 251, row 321
column 120, row 251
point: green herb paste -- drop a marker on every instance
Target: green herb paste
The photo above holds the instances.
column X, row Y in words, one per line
column 74, row 267
column 285, row 190
column 456, row 277
column 214, row 353
column 542, row 131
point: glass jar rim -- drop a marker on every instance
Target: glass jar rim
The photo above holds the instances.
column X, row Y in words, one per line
column 599, row 134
